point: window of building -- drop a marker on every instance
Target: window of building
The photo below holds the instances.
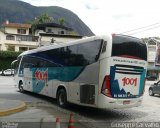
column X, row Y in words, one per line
column 23, row 48
column 18, row 38
column 62, row 32
column 10, row 37
column 34, row 39
column 26, row 38
column 11, row 48
column 30, row 48
column 49, row 30
column 21, row 31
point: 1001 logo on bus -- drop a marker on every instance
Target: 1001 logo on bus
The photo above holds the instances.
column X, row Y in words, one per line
column 41, row 75
column 129, row 81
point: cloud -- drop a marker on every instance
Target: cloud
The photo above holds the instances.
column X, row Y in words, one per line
column 104, row 16
column 122, row 16
column 91, row 7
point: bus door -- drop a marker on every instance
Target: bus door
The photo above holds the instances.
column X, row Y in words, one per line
column 27, row 79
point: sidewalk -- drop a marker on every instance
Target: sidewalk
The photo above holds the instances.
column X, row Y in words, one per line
column 8, row 107
column 35, row 116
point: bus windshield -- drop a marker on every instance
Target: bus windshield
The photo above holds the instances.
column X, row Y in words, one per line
column 129, row 46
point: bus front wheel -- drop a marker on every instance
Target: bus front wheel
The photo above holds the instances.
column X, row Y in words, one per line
column 21, row 86
column 62, row 98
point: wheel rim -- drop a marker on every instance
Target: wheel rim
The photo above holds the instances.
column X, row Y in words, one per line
column 21, row 88
column 150, row 92
column 61, row 99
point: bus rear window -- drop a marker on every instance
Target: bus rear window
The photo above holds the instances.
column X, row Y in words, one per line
column 129, row 46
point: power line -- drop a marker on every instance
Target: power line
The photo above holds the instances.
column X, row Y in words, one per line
column 144, row 30
column 141, row 27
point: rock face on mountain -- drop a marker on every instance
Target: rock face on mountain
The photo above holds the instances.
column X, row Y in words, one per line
column 21, row 12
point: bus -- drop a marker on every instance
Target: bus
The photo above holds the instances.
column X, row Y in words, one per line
column 98, row 71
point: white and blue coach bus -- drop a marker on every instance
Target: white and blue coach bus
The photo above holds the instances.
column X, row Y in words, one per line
column 100, row 71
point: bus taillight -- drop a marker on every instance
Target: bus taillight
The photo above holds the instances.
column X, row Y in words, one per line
column 106, row 86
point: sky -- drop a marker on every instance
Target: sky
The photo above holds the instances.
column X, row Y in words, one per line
column 139, row 18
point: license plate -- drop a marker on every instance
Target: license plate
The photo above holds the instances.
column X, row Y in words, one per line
column 126, row 102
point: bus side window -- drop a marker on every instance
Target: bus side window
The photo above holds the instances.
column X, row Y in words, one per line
column 89, row 52
column 28, row 65
column 104, row 46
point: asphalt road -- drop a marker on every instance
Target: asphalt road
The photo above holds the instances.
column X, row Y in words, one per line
column 44, row 108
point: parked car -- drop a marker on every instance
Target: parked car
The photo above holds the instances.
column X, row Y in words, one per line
column 154, row 89
column 7, row 72
column 0, row 72
column 153, row 78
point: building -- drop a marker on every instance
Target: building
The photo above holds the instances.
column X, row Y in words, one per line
column 153, row 68
column 18, row 37
column 53, row 28
column 50, row 33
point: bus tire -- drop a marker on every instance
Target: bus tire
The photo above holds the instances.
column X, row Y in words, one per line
column 62, row 98
column 21, row 86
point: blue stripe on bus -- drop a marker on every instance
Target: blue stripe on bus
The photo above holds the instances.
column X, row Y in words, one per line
column 64, row 74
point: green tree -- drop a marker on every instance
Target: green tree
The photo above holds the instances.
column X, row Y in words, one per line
column 61, row 21
column 43, row 18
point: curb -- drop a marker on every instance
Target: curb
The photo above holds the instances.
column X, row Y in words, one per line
column 6, row 112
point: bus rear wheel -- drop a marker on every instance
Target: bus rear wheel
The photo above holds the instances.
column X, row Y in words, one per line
column 21, row 86
column 62, row 98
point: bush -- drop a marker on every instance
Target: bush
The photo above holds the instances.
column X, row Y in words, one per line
column 6, row 58
column 8, row 54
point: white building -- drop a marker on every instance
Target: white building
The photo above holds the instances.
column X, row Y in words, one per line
column 17, row 37
column 50, row 33
column 153, row 68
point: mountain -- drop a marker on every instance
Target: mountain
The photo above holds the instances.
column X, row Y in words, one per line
column 21, row 12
